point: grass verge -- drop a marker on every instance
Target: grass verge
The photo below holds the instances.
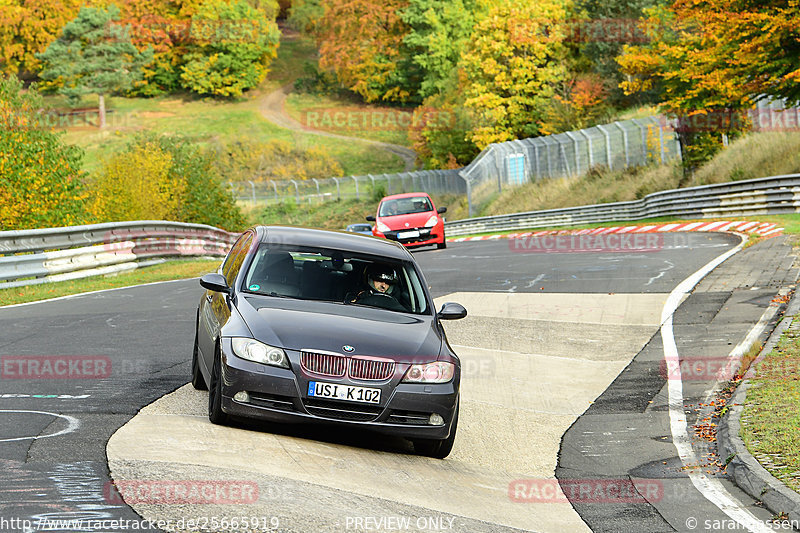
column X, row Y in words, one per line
column 351, row 118
column 771, row 415
column 179, row 269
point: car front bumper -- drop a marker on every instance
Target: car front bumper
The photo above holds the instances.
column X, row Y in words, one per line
column 279, row 395
column 427, row 236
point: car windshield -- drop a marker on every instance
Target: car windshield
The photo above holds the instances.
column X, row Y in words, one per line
column 310, row 273
column 405, row 206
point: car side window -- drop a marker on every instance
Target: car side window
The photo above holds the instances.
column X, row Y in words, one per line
column 235, row 259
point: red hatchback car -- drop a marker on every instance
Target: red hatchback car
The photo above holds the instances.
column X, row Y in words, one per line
column 411, row 219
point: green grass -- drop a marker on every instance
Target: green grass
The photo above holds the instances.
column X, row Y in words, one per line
column 181, row 269
column 215, row 121
column 218, row 120
column 292, row 54
column 771, row 415
column 351, row 118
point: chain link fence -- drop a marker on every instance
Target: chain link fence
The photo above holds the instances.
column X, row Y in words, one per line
column 619, row 145
column 353, row 187
column 622, row 144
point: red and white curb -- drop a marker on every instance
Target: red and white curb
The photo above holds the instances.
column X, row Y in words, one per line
column 764, row 229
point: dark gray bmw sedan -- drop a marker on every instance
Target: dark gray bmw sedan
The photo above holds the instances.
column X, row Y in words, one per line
column 310, row 326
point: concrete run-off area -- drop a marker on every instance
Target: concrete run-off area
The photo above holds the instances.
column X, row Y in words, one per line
column 532, row 363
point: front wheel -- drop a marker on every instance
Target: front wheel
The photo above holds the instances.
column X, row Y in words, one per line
column 438, row 449
column 442, row 245
column 215, row 413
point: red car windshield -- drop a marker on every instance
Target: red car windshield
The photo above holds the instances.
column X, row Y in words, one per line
column 405, row 206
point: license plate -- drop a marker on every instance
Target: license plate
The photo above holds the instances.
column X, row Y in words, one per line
column 408, row 234
column 318, row 389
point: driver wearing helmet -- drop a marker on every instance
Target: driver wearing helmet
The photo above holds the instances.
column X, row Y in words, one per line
column 381, row 281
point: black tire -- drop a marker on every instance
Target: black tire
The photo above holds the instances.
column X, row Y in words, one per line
column 198, row 381
column 442, row 245
column 215, row 413
column 438, row 449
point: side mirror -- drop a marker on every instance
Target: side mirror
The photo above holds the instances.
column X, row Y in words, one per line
column 452, row 311
column 215, row 282
column 441, row 210
column 370, row 218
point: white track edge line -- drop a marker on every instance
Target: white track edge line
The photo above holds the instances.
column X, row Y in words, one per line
column 710, row 488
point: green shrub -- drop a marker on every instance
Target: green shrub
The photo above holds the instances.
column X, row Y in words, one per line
column 40, row 175
column 233, row 44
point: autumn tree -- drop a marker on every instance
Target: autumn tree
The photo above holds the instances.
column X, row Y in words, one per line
column 438, row 33
column 93, row 56
column 167, row 177
column 136, row 185
column 40, row 175
column 160, row 25
column 304, row 15
column 27, row 27
column 362, row 41
column 511, row 67
column 714, row 58
column 232, row 45
column 599, row 29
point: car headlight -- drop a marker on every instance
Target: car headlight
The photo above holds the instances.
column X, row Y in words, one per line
column 432, row 221
column 436, row 372
column 383, row 228
column 256, row 351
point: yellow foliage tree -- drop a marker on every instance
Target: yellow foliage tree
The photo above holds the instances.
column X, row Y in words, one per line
column 511, row 67
column 137, row 185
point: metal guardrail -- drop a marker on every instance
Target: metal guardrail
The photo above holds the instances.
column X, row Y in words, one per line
column 42, row 255
column 29, row 257
column 772, row 195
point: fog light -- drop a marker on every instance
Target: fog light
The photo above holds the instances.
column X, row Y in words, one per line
column 242, row 397
column 435, row 420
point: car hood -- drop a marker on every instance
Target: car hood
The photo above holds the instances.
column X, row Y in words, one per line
column 306, row 325
column 415, row 220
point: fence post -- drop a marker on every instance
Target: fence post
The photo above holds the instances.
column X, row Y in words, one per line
column 644, row 139
column 296, row 191
column 547, row 154
column 388, row 183
column 354, row 179
column 608, row 146
column 276, row 189
column 624, row 144
column 536, row 158
column 317, row 184
column 589, row 146
column 338, row 196
column 563, row 155
column 577, row 157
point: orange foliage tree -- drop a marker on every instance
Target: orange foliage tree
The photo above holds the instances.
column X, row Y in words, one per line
column 714, row 56
column 362, row 42
column 27, row 27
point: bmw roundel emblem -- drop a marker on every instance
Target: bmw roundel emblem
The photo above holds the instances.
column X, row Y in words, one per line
column 347, row 348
